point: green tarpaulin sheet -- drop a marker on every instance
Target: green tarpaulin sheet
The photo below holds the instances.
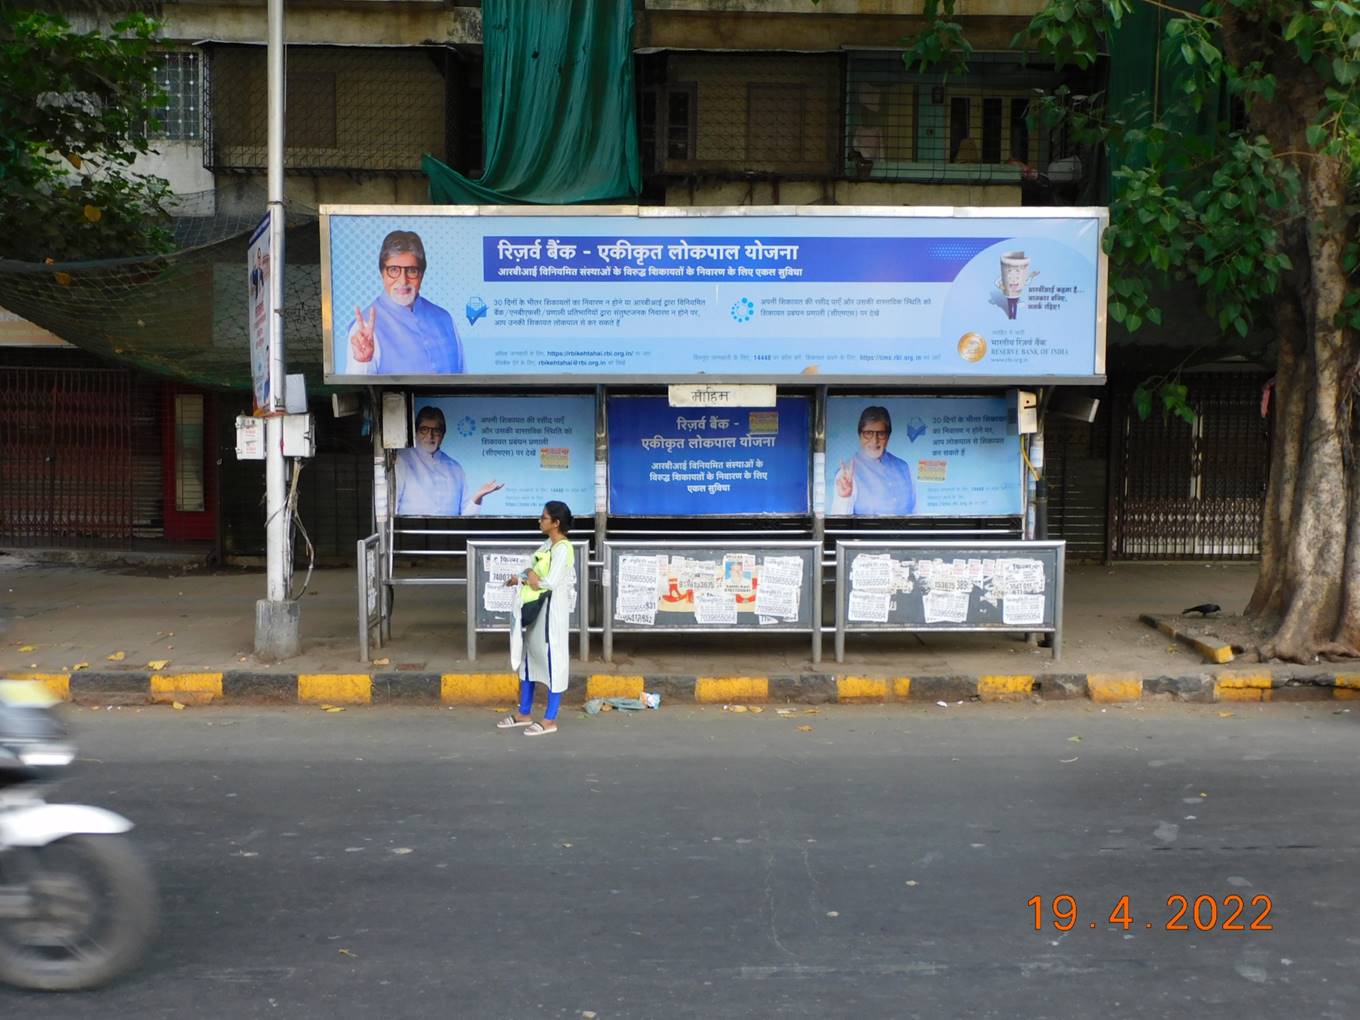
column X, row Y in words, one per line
column 557, row 107
column 1142, row 74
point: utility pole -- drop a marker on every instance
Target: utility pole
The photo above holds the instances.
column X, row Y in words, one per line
column 276, row 618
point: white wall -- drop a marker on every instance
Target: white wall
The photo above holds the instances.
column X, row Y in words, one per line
column 180, row 163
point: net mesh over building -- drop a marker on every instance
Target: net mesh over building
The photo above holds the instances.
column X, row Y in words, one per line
column 184, row 314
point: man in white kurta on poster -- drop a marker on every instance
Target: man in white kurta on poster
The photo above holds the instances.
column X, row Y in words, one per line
column 402, row 333
column 430, row 483
column 874, row 483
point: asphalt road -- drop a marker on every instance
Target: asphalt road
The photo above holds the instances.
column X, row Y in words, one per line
column 696, row 863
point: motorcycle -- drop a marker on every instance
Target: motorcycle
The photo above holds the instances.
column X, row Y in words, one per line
column 77, row 900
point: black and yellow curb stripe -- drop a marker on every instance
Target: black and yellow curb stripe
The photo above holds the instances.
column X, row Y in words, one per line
column 1243, row 687
column 343, row 689
column 1114, row 687
column 1212, row 651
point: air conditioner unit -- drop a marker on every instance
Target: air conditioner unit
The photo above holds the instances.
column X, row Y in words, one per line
column 1065, row 171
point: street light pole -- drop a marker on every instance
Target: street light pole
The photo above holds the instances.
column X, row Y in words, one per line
column 276, row 618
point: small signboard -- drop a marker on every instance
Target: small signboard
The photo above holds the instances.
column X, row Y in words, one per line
column 711, row 395
column 249, row 438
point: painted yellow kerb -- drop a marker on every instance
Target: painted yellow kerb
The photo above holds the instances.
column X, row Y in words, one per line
column 1243, row 687
column 478, row 688
column 1347, row 687
column 607, row 685
column 197, row 688
column 902, row 687
column 1214, row 653
column 731, row 688
column 1114, row 687
column 1003, row 688
column 861, row 688
column 335, row 688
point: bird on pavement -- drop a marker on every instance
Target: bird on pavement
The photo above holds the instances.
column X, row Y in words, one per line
column 1204, row 609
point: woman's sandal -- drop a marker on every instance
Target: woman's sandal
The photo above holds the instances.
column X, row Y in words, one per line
column 538, row 730
column 510, row 723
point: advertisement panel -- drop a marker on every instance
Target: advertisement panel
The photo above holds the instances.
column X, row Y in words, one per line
column 679, row 462
column 496, row 456
column 463, row 293
column 921, row 456
column 258, row 296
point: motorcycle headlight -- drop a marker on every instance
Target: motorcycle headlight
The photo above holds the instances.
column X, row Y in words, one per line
column 26, row 694
column 46, row 756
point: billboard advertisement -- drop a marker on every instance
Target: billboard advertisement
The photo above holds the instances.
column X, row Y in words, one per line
column 921, row 456
column 476, row 294
column 496, row 456
column 683, row 461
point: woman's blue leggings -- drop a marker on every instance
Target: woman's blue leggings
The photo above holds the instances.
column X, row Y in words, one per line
column 526, row 700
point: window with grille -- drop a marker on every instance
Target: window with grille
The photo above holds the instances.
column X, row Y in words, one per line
column 1020, row 130
column 177, row 75
column 981, row 129
column 348, row 108
column 904, row 125
column 739, row 113
column 189, row 452
column 666, row 123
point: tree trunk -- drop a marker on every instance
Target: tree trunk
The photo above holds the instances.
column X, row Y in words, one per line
column 1314, row 499
column 1309, row 585
column 1286, row 451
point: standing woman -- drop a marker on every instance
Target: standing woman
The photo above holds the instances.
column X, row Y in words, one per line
column 539, row 627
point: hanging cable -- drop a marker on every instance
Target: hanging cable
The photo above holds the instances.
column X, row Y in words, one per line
column 1024, row 453
column 292, row 506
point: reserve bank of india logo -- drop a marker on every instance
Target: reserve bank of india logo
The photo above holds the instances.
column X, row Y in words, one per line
column 972, row 347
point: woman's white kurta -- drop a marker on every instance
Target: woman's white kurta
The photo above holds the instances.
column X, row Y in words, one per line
column 546, row 657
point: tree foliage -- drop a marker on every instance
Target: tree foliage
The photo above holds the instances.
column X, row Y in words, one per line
column 1212, row 209
column 73, row 114
column 1254, row 201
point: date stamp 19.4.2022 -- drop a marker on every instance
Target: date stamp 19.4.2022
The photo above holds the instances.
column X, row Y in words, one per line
column 1183, row 913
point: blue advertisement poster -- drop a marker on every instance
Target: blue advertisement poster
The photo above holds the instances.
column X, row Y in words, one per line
column 921, row 456
column 423, row 295
column 687, row 461
column 497, row 456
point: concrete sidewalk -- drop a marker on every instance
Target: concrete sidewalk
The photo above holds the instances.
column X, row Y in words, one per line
column 120, row 630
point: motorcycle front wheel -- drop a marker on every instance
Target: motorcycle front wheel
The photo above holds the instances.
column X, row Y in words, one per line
column 92, row 913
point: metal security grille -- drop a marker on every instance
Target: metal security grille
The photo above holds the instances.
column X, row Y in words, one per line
column 711, row 113
column 854, row 116
column 177, row 74
column 66, row 457
column 1076, row 465
column 348, row 108
column 932, row 128
column 335, row 494
column 1192, row 492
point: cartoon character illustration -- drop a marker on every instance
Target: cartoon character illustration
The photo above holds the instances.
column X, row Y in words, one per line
column 1015, row 276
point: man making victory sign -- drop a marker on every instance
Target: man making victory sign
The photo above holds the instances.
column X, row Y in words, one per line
column 403, row 333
